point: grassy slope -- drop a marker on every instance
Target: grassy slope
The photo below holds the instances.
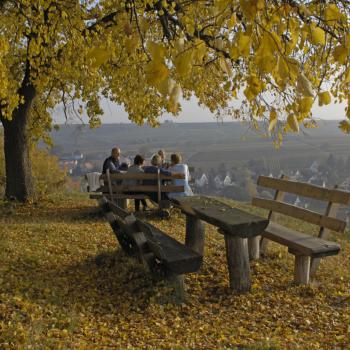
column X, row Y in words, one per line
column 55, row 293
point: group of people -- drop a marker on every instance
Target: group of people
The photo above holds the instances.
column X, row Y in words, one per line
column 158, row 163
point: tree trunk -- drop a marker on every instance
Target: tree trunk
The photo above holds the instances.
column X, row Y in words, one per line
column 16, row 148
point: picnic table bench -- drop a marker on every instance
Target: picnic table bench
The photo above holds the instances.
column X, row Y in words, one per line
column 236, row 225
column 116, row 190
column 307, row 249
column 163, row 255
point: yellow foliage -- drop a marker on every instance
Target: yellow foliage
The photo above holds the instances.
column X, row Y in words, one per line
column 130, row 50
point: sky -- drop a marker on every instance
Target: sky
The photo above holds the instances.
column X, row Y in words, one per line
column 192, row 113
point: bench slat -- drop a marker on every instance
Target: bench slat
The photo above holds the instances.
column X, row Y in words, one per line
column 142, row 188
column 120, row 196
column 299, row 213
column 141, row 176
column 306, row 190
column 304, row 244
column 177, row 257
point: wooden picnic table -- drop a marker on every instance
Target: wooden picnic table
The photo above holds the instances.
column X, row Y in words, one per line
column 240, row 230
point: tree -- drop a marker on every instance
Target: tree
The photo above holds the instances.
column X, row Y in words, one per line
column 145, row 54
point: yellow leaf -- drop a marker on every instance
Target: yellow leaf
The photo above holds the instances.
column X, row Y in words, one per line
column 340, row 54
column 254, row 87
column 173, row 103
column 344, row 125
column 273, row 120
column 234, row 53
column 157, row 51
column 347, row 76
column 131, row 44
column 293, row 123
column 225, row 66
column 304, row 86
column 306, row 104
column 232, row 21
column 99, row 56
column 332, row 13
column 317, row 36
column 243, row 44
column 199, row 51
column 183, row 63
column 156, row 72
column 324, row 98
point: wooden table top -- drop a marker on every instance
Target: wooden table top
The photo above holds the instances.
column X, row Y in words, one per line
column 230, row 220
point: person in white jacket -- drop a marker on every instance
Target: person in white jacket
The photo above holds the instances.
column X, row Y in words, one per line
column 176, row 166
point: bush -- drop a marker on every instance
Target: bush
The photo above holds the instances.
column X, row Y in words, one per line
column 48, row 178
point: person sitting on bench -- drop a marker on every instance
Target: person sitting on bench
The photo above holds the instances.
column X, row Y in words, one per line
column 162, row 155
column 136, row 168
column 177, row 167
column 153, row 169
column 112, row 162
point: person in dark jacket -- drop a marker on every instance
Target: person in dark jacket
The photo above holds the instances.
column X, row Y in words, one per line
column 112, row 163
column 153, row 169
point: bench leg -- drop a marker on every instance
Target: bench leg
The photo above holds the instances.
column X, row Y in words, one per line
column 315, row 262
column 195, row 234
column 178, row 283
column 122, row 203
column 263, row 246
column 254, row 247
column 238, row 263
column 302, row 269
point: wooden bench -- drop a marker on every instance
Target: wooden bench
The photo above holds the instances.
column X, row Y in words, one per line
column 163, row 255
column 308, row 249
column 119, row 193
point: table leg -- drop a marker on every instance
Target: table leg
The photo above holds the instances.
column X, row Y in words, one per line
column 238, row 263
column 195, row 234
column 254, row 245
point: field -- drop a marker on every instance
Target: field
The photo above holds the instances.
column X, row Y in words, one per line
column 207, row 145
column 65, row 284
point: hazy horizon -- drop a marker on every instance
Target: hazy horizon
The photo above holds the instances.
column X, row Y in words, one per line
column 192, row 113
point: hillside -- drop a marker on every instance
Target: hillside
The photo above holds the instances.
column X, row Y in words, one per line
column 66, row 284
column 206, row 145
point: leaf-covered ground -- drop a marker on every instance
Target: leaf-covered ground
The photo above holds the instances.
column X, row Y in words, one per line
column 65, row 284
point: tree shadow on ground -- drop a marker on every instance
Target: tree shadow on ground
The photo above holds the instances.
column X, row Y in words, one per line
column 52, row 215
column 108, row 281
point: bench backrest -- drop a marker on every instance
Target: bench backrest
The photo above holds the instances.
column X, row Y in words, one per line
column 159, row 188
column 328, row 220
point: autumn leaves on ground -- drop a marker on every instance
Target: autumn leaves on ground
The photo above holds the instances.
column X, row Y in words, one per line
column 65, row 284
